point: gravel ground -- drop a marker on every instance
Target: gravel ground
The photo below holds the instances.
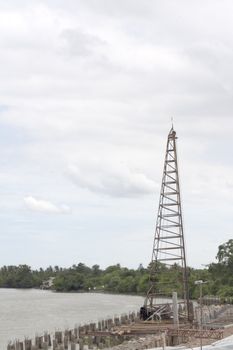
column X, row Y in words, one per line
column 148, row 342
column 194, row 342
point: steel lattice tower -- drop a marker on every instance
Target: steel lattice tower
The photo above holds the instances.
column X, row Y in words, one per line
column 168, row 256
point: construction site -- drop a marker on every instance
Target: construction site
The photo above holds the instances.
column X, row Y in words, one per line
column 168, row 318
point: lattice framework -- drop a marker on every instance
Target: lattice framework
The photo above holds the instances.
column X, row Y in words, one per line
column 168, row 253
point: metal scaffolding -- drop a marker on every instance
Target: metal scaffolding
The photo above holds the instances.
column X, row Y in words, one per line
column 168, row 270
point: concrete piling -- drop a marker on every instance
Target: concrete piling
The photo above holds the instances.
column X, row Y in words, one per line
column 58, row 337
column 73, row 346
column 105, row 334
column 99, row 326
column 66, row 342
column 27, row 344
column 81, row 344
column 54, row 344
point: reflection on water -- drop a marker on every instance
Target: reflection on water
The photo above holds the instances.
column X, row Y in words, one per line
column 25, row 312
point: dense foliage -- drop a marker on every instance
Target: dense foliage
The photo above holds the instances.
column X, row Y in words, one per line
column 117, row 279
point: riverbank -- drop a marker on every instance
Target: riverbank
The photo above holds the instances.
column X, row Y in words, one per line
column 107, row 334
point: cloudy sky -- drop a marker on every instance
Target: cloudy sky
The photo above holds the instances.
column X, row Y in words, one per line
column 87, row 92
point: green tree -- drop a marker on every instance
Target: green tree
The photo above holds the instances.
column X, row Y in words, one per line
column 225, row 253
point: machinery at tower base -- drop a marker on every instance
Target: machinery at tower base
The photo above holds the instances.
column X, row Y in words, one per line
column 168, row 271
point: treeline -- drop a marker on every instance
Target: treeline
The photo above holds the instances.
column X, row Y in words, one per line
column 23, row 276
column 79, row 277
column 117, row 279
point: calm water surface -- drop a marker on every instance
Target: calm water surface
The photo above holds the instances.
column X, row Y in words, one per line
column 25, row 312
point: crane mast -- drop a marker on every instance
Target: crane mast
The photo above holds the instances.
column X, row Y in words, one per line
column 168, row 270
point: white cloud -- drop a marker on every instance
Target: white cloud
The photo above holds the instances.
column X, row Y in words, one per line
column 79, row 43
column 82, row 80
column 116, row 180
column 44, row 206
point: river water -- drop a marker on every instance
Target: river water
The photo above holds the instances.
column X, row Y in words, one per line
column 25, row 312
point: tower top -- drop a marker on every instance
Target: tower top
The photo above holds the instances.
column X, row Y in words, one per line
column 172, row 133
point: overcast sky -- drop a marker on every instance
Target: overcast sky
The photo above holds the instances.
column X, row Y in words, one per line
column 87, row 92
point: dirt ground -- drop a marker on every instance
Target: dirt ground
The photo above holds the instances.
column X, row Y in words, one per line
column 194, row 342
column 146, row 342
